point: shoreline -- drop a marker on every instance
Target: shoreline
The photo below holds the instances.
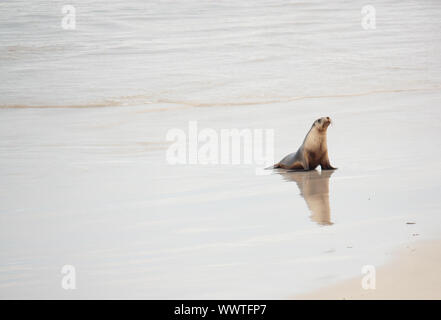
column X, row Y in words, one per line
column 413, row 273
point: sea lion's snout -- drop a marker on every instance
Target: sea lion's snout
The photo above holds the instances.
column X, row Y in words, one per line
column 323, row 123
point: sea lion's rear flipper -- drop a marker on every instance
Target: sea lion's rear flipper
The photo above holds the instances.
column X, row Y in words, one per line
column 298, row 165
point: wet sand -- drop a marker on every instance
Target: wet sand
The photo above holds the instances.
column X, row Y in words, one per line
column 414, row 273
column 91, row 188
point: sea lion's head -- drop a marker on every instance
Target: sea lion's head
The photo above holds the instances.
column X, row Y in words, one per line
column 322, row 124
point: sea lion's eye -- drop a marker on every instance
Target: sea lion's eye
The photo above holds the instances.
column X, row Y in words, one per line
column 319, row 120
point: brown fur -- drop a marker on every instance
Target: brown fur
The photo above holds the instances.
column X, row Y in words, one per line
column 313, row 152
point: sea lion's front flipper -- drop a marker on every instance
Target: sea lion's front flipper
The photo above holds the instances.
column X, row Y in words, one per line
column 328, row 167
column 325, row 165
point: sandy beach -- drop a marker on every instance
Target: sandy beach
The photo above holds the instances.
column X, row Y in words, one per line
column 93, row 191
column 86, row 181
column 413, row 274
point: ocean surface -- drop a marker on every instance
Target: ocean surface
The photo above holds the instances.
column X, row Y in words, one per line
column 84, row 115
column 204, row 53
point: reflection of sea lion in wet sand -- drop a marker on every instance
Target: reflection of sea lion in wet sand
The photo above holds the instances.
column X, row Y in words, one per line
column 313, row 152
column 314, row 188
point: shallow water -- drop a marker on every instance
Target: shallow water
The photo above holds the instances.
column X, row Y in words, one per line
column 89, row 186
column 212, row 52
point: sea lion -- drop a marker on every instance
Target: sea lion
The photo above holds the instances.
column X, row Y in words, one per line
column 313, row 152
